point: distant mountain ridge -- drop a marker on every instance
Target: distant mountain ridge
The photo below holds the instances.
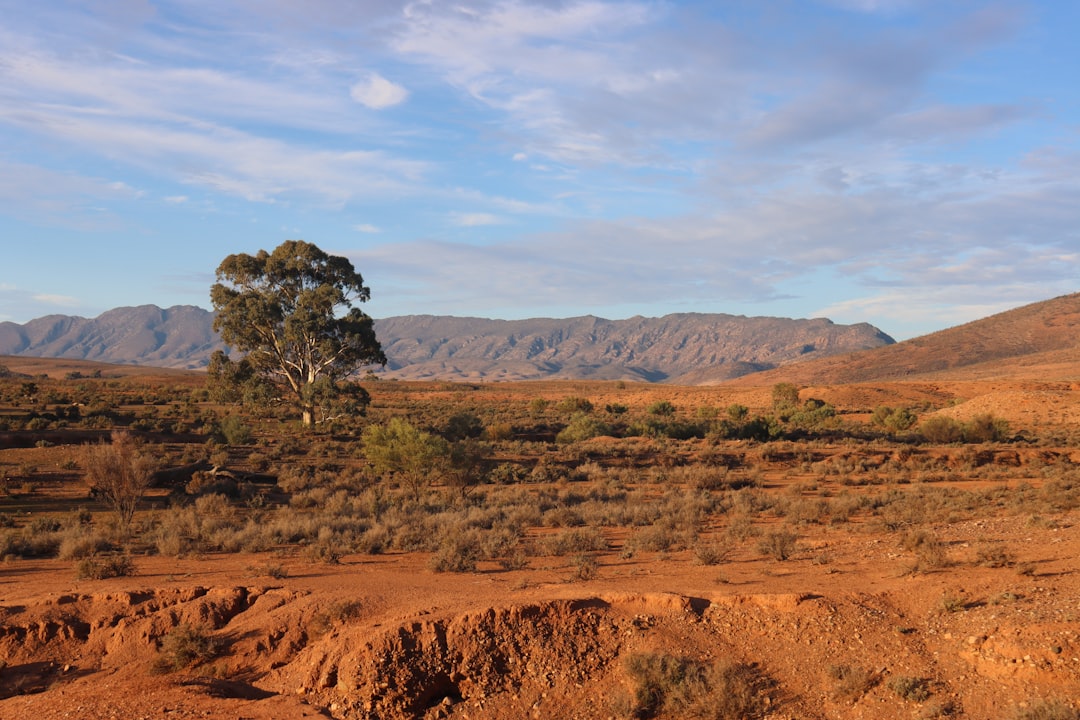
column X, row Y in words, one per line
column 687, row 348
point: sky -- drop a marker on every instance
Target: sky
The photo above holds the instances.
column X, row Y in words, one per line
column 914, row 164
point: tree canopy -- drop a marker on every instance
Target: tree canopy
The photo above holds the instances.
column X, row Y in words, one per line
column 291, row 311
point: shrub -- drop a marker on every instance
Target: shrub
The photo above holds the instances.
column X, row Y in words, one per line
column 986, row 428
column 585, row 565
column 778, row 544
column 662, row 408
column 102, row 568
column 712, row 553
column 582, row 427
column 457, row 553
column 573, row 405
column 851, row 683
column 685, row 688
column 335, row 614
column 120, row 472
column 184, row 646
column 942, row 430
column 912, row 689
column 235, row 431
column 930, row 553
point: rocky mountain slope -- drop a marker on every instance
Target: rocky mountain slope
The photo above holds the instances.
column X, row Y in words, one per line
column 685, row 348
column 1038, row 341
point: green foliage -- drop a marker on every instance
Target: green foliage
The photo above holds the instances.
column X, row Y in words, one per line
column 737, row 413
column 574, row 404
column 463, row 425
column 235, row 431
column 466, row 466
column 229, row 381
column 582, row 427
column 893, row 419
column 662, row 408
column 812, row 414
column 410, row 453
column 785, row 398
column 292, row 312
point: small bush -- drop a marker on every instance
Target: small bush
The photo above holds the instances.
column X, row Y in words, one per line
column 184, row 646
column 585, row 565
column 102, row 568
column 235, row 431
column 850, row 683
column 335, row 614
column 942, row 430
column 912, row 689
column 684, row 688
column 778, row 544
column 456, row 553
column 712, row 553
column 582, row 427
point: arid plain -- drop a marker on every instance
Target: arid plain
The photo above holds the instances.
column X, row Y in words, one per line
column 611, row 549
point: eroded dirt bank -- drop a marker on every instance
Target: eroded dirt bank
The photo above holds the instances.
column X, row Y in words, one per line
column 857, row 637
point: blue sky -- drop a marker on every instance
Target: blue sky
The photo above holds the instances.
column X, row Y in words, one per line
column 910, row 163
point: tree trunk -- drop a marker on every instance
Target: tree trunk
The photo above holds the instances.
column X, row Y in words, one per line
column 308, row 414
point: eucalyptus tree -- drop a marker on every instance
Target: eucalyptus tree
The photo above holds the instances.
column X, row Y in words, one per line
column 291, row 311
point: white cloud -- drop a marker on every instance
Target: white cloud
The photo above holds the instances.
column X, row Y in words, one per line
column 58, row 300
column 475, row 219
column 378, row 93
column 177, row 199
column 367, row 228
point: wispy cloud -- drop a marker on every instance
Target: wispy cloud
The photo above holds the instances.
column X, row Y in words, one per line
column 378, row 93
column 609, row 154
column 475, row 219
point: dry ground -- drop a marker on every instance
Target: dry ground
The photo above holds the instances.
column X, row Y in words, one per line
column 856, row 623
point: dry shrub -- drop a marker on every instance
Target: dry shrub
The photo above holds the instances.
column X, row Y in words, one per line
column 994, row 556
column 662, row 684
column 778, row 544
column 850, row 682
column 457, row 553
column 336, row 613
column 184, row 646
column 103, row 568
column 80, row 542
column 912, row 689
column 712, row 552
column 930, row 553
column 120, row 473
column 576, row 540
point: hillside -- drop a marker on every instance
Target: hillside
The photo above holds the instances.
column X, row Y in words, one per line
column 177, row 337
column 685, row 348
column 1040, row 341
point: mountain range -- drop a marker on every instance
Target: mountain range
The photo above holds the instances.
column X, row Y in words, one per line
column 686, row 348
